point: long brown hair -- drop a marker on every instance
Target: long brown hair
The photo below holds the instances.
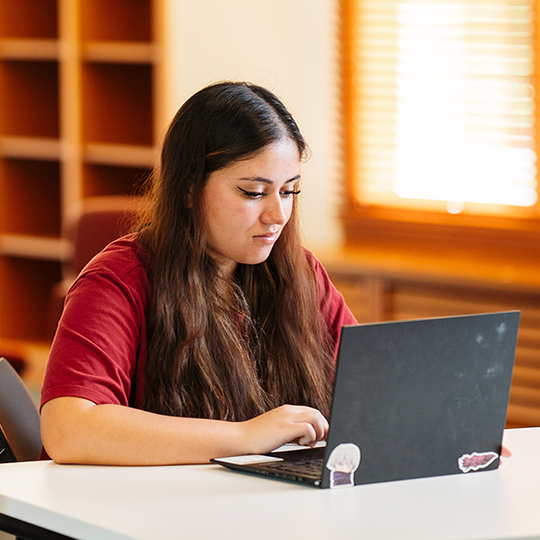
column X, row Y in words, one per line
column 209, row 356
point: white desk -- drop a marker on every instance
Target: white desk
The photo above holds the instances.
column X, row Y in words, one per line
column 209, row 502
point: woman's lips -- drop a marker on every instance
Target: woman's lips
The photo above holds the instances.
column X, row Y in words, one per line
column 268, row 238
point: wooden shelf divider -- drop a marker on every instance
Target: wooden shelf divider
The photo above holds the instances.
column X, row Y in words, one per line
column 29, row 49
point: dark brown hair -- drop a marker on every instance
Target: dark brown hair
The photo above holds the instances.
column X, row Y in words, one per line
column 209, row 356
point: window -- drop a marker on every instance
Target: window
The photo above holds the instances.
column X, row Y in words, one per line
column 440, row 113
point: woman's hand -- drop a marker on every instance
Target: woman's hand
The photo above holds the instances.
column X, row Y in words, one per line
column 284, row 424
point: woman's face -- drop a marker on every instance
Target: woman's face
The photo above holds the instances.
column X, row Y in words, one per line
column 246, row 204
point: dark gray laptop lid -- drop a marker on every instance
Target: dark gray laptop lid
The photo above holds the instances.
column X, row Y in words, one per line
column 420, row 398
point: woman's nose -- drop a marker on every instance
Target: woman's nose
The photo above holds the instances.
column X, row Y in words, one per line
column 275, row 211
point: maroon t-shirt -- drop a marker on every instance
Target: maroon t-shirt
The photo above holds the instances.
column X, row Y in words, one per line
column 99, row 349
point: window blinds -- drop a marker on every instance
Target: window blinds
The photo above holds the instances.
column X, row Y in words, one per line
column 443, row 102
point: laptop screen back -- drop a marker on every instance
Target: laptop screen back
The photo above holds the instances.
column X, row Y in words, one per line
column 422, row 398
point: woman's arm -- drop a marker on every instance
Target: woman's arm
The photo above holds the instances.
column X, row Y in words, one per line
column 75, row 430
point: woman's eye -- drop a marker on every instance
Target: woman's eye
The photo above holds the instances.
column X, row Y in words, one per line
column 251, row 194
column 259, row 194
column 289, row 193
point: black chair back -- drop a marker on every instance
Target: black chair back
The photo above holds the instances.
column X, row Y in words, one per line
column 19, row 418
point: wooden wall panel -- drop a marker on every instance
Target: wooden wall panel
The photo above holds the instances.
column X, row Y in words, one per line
column 373, row 298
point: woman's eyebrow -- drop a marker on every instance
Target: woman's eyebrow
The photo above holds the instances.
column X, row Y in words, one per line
column 261, row 180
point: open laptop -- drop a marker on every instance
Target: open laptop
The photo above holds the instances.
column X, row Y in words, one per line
column 411, row 399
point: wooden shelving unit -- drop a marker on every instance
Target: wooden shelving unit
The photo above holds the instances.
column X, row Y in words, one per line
column 80, row 106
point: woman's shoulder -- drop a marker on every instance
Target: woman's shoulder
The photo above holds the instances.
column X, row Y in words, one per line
column 122, row 257
column 331, row 301
column 315, row 263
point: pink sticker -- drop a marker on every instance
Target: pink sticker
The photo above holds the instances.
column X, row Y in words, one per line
column 475, row 461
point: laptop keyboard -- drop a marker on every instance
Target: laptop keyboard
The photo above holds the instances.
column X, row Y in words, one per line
column 311, row 468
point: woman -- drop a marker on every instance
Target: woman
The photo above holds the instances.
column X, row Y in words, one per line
column 211, row 332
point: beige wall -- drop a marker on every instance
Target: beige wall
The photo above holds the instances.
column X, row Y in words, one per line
column 289, row 46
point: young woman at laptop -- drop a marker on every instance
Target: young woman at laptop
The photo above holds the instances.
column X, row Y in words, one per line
column 211, row 331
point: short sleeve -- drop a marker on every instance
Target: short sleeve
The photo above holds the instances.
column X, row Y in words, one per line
column 102, row 333
column 332, row 305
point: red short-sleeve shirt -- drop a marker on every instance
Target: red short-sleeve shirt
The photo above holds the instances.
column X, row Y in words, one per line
column 100, row 346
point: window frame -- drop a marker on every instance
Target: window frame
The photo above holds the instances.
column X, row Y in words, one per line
column 393, row 226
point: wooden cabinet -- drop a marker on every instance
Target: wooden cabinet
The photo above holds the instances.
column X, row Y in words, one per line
column 80, row 113
column 388, row 284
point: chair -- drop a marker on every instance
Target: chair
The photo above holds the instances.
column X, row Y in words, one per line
column 95, row 224
column 19, row 417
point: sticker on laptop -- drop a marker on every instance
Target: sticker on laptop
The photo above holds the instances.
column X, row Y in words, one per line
column 342, row 463
column 248, row 460
column 476, row 460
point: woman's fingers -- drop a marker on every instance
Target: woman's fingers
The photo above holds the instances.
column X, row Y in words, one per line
column 285, row 424
column 311, row 422
column 301, row 422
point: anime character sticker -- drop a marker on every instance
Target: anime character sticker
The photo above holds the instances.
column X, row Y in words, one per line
column 342, row 463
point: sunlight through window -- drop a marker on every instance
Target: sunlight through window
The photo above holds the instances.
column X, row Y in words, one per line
column 446, row 103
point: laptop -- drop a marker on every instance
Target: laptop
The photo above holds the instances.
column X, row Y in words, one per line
column 411, row 399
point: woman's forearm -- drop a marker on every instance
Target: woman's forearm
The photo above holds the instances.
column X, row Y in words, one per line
column 75, row 430
column 78, row 431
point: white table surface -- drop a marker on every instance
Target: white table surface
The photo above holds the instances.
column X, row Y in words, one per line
column 210, row 502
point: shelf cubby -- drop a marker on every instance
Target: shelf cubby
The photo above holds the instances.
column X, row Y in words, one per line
column 113, row 180
column 117, row 104
column 29, row 19
column 30, row 197
column 24, row 288
column 29, row 98
column 116, row 20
